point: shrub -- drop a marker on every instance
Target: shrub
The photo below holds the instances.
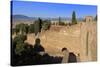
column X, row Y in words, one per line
column 46, row 25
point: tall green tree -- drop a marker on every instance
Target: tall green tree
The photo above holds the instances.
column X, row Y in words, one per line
column 26, row 28
column 59, row 20
column 74, row 20
column 31, row 28
column 37, row 26
column 17, row 28
column 40, row 24
column 95, row 18
column 23, row 28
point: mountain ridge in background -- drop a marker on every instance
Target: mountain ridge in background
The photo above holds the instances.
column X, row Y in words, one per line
column 27, row 18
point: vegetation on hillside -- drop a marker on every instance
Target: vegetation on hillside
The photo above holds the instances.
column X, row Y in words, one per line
column 36, row 27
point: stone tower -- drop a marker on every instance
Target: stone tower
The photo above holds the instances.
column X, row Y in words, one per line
column 88, row 39
column 88, row 18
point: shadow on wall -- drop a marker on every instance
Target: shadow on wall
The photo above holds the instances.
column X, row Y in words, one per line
column 26, row 54
column 69, row 57
column 37, row 46
column 31, row 55
column 72, row 58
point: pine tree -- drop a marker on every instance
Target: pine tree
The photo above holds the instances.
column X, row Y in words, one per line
column 74, row 20
column 95, row 18
column 37, row 26
column 59, row 20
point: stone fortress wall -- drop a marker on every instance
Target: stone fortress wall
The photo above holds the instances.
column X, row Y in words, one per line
column 79, row 39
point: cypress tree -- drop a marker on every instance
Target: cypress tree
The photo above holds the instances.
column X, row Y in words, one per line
column 74, row 20
column 37, row 26
column 95, row 18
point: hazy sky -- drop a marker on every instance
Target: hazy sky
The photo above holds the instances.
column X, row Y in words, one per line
column 40, row 9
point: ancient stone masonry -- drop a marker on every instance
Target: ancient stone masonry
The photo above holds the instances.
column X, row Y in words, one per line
column 88, row 35
column 76, row 41
column 88, row 18
column 66, row 55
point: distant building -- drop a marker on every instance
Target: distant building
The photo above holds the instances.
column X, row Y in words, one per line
column 88, row 18
column 56, row 22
